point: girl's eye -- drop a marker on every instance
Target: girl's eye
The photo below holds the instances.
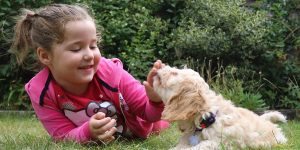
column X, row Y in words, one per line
column 93, row 47
column 75, row 50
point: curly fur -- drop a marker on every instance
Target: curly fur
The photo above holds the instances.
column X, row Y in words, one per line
column 187, row 97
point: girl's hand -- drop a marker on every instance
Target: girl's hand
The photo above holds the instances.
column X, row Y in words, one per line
column 102, row 128
column 152, row 95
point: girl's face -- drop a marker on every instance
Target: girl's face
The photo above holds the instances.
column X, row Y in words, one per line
column 74, row 62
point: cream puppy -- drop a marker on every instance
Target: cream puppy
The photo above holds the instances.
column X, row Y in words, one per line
column 207, row 120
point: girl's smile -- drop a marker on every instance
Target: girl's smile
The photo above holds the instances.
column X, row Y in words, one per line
column 87, row 69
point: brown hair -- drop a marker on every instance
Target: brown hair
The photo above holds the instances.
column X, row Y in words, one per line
column 43, row 28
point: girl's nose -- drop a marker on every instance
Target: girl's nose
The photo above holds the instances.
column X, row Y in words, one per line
column 88, row 54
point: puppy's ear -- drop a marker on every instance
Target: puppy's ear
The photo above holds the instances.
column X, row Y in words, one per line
column 183, row 106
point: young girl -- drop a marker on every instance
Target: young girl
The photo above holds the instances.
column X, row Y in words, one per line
column 79, row 95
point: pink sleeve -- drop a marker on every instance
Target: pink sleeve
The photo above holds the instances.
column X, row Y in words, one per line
column 135, row 96
column 55, row 122
column 60, row 127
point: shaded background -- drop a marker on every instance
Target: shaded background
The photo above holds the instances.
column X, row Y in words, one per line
column 247, row 50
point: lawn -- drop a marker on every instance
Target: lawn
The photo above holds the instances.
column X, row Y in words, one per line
column 25, row 132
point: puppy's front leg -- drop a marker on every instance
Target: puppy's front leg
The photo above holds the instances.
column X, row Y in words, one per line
column 207, row 145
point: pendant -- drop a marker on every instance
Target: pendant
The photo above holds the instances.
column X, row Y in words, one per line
column 194, row 140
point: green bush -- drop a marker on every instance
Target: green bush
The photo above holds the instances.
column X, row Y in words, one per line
column 12, row 77
column 131, row 33
column 218, row 28
column 279, row 63
column 261, row 40
column 254, row 38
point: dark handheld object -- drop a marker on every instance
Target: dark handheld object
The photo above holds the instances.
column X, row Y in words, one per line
column 106, row 107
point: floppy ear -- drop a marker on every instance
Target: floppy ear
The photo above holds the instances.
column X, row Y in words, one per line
column 185, row 105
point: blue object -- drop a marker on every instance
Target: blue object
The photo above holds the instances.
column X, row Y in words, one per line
column 194, row 140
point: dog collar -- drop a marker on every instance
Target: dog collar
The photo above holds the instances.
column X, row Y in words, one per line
column 205, row 121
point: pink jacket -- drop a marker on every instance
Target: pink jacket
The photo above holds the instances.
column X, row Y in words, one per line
column 142, row 116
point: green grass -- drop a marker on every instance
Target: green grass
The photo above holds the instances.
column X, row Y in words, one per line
column 26, row 132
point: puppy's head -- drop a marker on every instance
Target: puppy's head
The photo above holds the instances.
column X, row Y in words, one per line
column 181, row 91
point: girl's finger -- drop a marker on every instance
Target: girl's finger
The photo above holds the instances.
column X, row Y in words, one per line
column 108, row 126
column 108, row 134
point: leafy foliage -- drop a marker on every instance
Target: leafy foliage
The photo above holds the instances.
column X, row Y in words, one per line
column 221, row 29
column 131, row 33
column 11, row 76
column 254, row 39
column 260, row 39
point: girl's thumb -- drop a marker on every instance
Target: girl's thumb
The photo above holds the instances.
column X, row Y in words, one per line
column 99, row 115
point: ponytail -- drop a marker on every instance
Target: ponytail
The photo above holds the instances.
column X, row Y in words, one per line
column 22, row 42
